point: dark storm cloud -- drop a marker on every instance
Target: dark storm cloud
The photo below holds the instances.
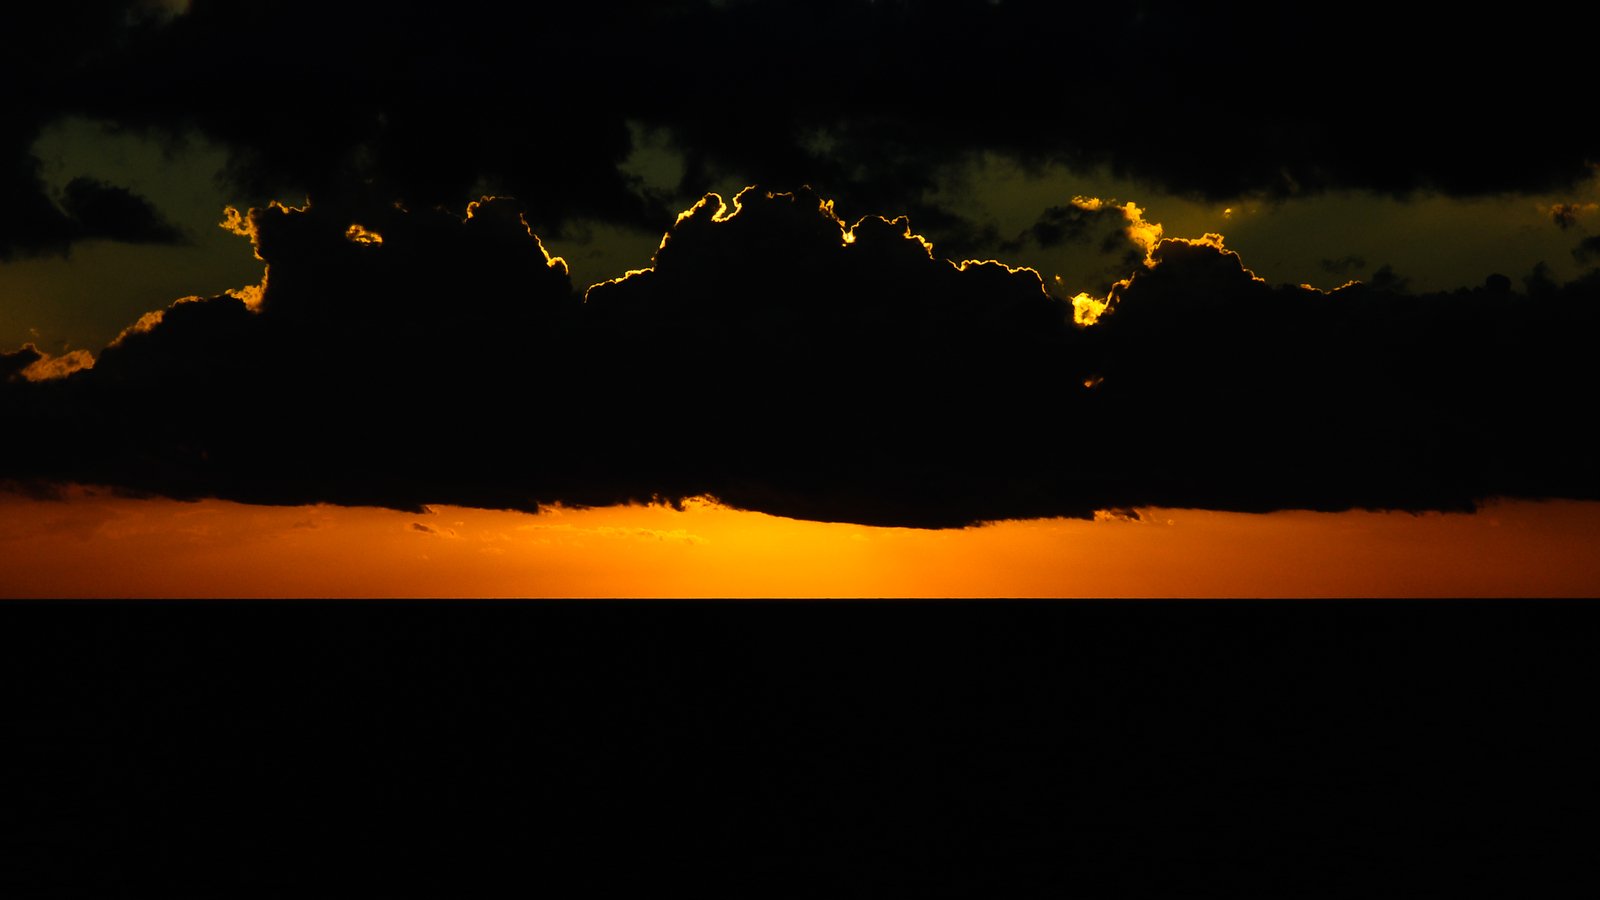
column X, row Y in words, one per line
column 788, row 369
column 385, row 354
column 44, row 49
column 35, row 224
column 29, row 222
column 331, row 101
column 1566, row 215
column 12, row 364
column 870, row 102
column 1230, row 393
column 106, row 211
column 782, row 361
column 1072, row 223
column 1343, row 266
column 1385, row 278
column 765, row 360
column 1099, row 249
column 1212, row 99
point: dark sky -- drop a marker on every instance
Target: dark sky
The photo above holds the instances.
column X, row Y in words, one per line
column 808, row 355
column 871, row 103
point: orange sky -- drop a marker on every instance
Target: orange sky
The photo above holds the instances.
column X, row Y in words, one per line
column 96, row 545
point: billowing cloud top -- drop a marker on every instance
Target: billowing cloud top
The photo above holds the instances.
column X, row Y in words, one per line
column 781, row 359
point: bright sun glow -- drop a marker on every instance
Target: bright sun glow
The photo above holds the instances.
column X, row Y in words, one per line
column 213, row 548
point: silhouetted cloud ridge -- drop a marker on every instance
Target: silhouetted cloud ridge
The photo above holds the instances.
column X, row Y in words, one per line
column 783, row 359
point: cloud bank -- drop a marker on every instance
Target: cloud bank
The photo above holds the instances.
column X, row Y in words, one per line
column 781, row 359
